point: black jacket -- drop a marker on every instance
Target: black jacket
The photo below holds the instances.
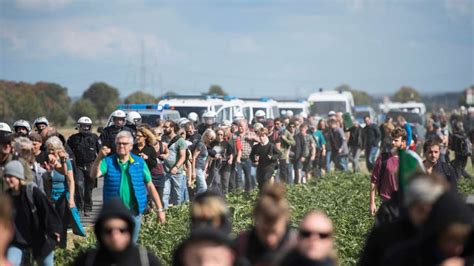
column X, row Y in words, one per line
column 446, row 170
column 41, row 228
column 85, row 147
column 102, row 255
column 424, row 250
column 371, row 135
column 355, row 138
column 296, row 258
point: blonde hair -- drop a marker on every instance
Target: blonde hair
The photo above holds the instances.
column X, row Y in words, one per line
column 207, row 135
column 149, row 136
column 209, row 206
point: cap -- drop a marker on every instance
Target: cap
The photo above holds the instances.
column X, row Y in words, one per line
column 331, row 113
column 15, row 168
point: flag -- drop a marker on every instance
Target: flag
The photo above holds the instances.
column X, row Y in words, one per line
column 410, row 163
column 347, row 120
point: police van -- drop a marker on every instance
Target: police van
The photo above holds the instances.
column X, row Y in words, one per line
column 292, row 107
column 150, row 113
column 322, row 102
column 223, row 107
column 252, row 105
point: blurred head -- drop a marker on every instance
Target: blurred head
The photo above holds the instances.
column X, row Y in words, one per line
column 271, row 215
column 263, row 135
column 421, row 193
column 453, row 239
column 401, row 120
column 210, row 210
column 54, row 145
column 208, row 136
column 114, row 226
column 291, row 127
column 316, row 236
column 158, row 131
column 37, row 141
column 145, row 136
column 205, row 247
column 277, row 123
column 243, row 126
column 304, row 129
column 24, row 148
column 431, row 151
column 367, row 120
column 189, row 128
column 170, row 127
column 321, row 124
column 220, row 135
column 399, row 138
column 14, row 175
column 124, row 143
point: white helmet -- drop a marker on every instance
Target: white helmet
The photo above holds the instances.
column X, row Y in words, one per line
column 193, row 116
column 304, row 115
column 41, row 120
column 84, row 120
column 238, row 116
column 289, row 113
column 22, row 123
column 260, row 113
column 183, row 121
column 119, row 114
column 134, row 118
column 209, row 114
column 5, row 127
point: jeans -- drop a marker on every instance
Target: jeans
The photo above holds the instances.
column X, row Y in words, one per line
column 201, row 185
column 283, row 170
column 328, row 162
column 136, row 229
column 250, row 181
column 342, row 162
column 184, row 189
column 236, row 179
column 15, row 255
column 354, row 158
column 370, row 156
column 172, row 190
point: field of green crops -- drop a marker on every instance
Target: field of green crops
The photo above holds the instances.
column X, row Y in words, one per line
column 343, row 196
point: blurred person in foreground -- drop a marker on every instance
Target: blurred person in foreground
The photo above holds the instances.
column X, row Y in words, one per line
column 268, row 241
column 209, row 209
column 6, row 227
column 447, row 237
column 207, row 246
column 114, row 230
column 315, row 242
column 37, row 225
column 419, row 197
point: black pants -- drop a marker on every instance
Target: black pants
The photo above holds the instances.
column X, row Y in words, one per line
column 62, row 208
column 78, row 188
column 459, row 164
column 89, row 184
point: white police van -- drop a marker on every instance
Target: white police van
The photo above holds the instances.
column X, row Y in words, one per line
column 294, row 106
column 252, row 105
column 322, row 102
column 224, row 107
column 150, row 113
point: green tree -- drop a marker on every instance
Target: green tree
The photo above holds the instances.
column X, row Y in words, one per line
column 216, row 89
column 405, row 94
column 55, row 101
column 104, row 97
column 140, row 97
column 83, row 107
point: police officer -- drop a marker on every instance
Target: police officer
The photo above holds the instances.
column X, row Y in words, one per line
column 132, row 121
column 208, row 122
column 22, row 128
column 107, row 137
column 85, row 146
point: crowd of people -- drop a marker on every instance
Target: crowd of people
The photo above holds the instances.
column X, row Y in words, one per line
column 150, row 167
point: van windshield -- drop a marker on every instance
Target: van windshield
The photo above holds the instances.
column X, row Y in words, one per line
column 323, row 108
column 185, row 110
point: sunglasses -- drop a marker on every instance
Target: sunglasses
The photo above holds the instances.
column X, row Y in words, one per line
column 122, row 230
column 122, row 143
column 308, row 234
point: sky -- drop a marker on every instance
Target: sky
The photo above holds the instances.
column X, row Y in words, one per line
column 250, row 48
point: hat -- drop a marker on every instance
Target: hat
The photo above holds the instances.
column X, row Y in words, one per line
column 15, row 168
column 226, row 123
column 331, row 113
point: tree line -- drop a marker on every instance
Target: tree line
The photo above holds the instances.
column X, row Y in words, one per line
column 21, row 100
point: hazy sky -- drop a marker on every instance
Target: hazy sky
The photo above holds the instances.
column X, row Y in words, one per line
column 250, row 48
